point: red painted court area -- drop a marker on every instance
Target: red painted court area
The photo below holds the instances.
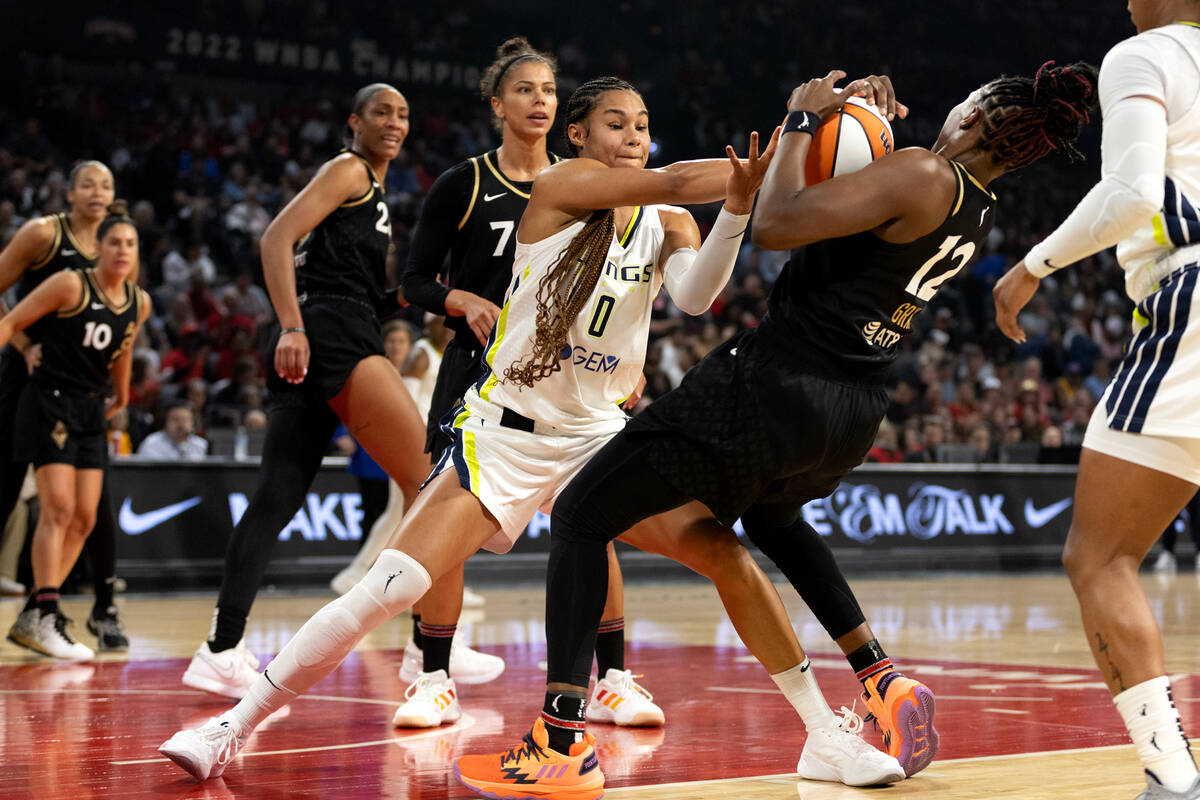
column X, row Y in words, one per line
column 82, row 731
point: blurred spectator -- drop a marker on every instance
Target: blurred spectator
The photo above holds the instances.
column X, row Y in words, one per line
column 119, row 443
column 176, row 441
column 887, row 447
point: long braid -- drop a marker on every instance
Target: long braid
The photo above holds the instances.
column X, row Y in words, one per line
column 1026, row 118
column 564, row 289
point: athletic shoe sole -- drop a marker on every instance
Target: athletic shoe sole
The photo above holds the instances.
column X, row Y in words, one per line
column 504, row 792
column 184, row 762
column 914, row 722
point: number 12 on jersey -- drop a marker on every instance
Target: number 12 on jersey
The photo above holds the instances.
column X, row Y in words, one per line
column 924, row 290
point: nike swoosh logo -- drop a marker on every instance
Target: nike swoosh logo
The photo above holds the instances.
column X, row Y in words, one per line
column 134, row 523
column 487, row 198
column 68, row 252
column 97, row 306
column 982, row 214
column 1039, row 517
column 390, row 579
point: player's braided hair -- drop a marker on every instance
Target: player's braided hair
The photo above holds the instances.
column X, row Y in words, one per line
column 511, row 52
column 564, row 289
column 1026, row 118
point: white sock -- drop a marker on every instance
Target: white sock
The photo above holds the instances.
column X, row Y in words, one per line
column 1153, row 723
column 392, row 585
column 799, row 686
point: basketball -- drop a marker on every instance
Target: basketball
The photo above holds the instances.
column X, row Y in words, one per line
column 849, row 140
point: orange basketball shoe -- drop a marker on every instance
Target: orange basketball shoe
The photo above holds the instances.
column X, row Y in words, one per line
column 532, row 770
column 903, row 711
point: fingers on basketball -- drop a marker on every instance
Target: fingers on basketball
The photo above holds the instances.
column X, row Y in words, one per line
column 853, row 137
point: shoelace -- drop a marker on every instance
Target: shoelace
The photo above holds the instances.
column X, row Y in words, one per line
column 422, row 686
column 627, row 682
column 225, row 738
column 850, row 721
column 60, row 627
column 528, row 747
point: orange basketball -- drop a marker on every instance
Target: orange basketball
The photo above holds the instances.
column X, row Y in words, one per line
column 846, row 142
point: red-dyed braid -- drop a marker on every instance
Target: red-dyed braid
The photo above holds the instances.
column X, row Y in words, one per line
column 1026, row 118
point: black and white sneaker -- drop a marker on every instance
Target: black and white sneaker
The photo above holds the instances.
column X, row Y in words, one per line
column 109, row 635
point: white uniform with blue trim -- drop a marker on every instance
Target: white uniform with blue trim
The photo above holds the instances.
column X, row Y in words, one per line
column 573, row 412
column 1153, row 391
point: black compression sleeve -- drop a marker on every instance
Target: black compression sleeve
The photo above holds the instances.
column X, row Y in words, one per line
column 443, row 209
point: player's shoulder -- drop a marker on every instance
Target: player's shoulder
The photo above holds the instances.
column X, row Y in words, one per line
column 41, row 230
column 458, row 176
column 673, row 217
column 1148, row 45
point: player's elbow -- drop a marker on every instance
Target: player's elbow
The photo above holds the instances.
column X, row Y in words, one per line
column 693, row 306
column 769, row 231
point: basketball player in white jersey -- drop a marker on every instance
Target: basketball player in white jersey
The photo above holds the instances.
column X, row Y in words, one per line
column 592, row 243
column 1141, row 453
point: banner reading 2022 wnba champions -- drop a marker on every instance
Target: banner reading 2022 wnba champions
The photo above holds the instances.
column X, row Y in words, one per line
column 176, row 518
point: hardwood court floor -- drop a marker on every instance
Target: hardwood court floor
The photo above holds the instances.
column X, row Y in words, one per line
column 1021, row 710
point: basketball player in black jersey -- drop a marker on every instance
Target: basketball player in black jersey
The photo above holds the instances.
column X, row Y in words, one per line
column 41, row 248
column 777, row 415
column 324, row 263
column 472, row 213
column 87, row 320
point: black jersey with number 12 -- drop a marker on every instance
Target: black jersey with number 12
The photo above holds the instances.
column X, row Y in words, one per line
column 853, row 299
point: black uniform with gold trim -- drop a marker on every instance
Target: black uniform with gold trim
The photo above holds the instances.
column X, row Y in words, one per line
column 471, row 212
column 779, row 414
column 60, row 416
column 340, row 274
column 64, row 253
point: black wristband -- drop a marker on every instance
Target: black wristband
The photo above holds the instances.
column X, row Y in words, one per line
column 801, row 122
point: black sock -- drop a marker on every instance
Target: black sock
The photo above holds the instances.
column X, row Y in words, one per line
column 563, row 714
column 45, row 598
column 101, row 550
column 229, row 626
column 416, row 636
column 868, row 660
column 30, row 602
column 436, row 640
column 104, row 606
column 610, row 646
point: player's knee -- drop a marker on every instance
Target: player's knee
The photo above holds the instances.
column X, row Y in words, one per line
column 576, row 522
column 717, row 554
column 82, row 522
column 58, row 509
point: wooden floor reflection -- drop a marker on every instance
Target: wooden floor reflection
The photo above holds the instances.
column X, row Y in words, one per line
column 1021, row 710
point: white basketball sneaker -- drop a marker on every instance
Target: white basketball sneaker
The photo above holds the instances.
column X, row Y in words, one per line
column 431, row 701
column 205, row 751
column 838, row 753
column 619, row 699
column 50, row 638
column 467, row 666
column 229, row 673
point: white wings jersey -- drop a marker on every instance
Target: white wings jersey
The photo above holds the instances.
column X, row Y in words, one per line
column 1172, row 53
column 606, row 346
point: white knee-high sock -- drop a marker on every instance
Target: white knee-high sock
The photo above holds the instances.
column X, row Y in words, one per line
column 799, row 686
column 392, row 585
column 1153, row 724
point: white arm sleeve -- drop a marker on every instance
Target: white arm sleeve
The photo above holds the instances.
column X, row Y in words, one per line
column 695, row 279
column 1133, row 149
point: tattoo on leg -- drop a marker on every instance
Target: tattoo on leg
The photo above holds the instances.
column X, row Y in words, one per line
column 1114, row 673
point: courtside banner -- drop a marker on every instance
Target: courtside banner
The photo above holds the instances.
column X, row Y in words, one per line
column 172, row 514
column 185, row 511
